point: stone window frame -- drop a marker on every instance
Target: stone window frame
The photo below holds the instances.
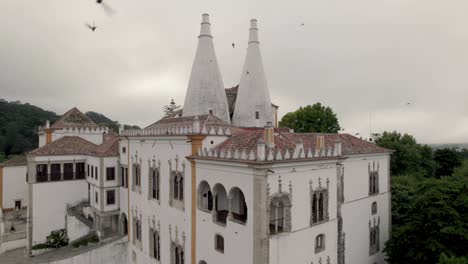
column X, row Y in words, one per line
column 136, row 174
column 154, row 238
column 218, row 236
column 137, row 230
column 274, row 201
column 373, row 178
column 176, row 175
column 320, row 242
column 374, row 237
column 323, row 192
column 180, row 251
column 374, row 208
column 154, row 167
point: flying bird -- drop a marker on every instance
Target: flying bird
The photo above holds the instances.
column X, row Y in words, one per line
column 107, row 8
column 93, row 27
column 233, row 45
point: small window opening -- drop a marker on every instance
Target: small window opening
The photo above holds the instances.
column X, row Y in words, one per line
column 257, row 115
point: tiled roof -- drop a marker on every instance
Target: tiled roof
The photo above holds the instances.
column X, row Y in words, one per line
column 19, row 160
column 73, row 145
column 242, row 145
column 205, row 120
column 74, row 118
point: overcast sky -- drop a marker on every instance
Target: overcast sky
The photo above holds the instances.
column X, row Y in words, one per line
column 358, row 57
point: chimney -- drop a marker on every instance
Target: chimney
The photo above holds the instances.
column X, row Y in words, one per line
column 47, row 124
column 269, row 133
column 121, row 129
column 337, row 147
column 320, row 143
column 261, row 149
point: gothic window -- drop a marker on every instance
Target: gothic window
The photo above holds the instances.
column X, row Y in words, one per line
column 205, row 197
column 136, row 183
column 137, row 231
column 373, row 179
column 124, row 176
column 280, row 214
column 374, row 208
column 176, row 194
column 154, row 183
column 374, row 240
column 319, row 206
column 178, row 254
column 155, row 244
column 219, row 243
column 319, row 243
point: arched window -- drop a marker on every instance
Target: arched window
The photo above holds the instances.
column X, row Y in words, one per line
column 374, row 208
column 238, row 205
column 155, row 244
column 319, row 206
column 374, row 240
column 373, row 179
column 280, row 214
column 221, row 204
column 319, row 243
column 177, row 254
column 219, row 243
column 154, row 184
column 202, row 262
column 205, row 197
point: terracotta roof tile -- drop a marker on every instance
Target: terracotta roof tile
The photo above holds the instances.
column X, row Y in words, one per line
column 19, row 160
column 74, row 118
column 73, row 145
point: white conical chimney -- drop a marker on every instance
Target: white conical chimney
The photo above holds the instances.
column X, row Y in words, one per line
column 205, row 92
column 253, row 103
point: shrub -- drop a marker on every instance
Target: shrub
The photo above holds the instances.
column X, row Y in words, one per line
column 40, row 246
column 57, row 238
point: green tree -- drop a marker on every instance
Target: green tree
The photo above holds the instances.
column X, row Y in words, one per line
column 444, row 259
column 171, row 108
column 435, row 221
column 446, row 161
column 312, row 118
column 409, row 156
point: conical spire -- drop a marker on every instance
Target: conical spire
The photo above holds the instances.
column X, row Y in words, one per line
column 205, row 92
column 253, row 103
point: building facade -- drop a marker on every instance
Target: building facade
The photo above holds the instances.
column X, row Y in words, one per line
column 216, row 182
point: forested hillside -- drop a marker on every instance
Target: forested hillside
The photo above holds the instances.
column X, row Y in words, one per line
column 19, row 124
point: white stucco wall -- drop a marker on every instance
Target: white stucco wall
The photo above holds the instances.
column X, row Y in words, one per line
column 298, row 245
column 238, row 238
column 357, row 208
column 161, row 149
column 95, row 137
column 49, row 205
column 15, row 186
column 75, row 228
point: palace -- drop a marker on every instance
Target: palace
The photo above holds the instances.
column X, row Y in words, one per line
column 217, row 182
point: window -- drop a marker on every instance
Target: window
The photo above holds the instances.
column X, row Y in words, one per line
column 155, row 244
column 96, row 197
column 178, row 254
column 124, row 150
column 374, row 242
column 374, row 208
column 280, row 213
column 110, row 174
column 80, row 170
column 136, row 178
column 41, row 173
column 124, row 176
column 177, row 188
column 257, row 115
column 238, row 205
column 319, row 243
column 18, row 205
column 319, row 206
column 205, row 197
column 210, row 112
column 88, row 170
column 219, row 243
column 92, row 172
column 96, row 172
column 373, row 179
column 110, row 196
column 154, row 183
column 221, row 204
column 68, row 171
column 55, row 172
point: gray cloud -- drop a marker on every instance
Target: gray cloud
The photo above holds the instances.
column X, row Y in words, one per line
column 358, row 57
